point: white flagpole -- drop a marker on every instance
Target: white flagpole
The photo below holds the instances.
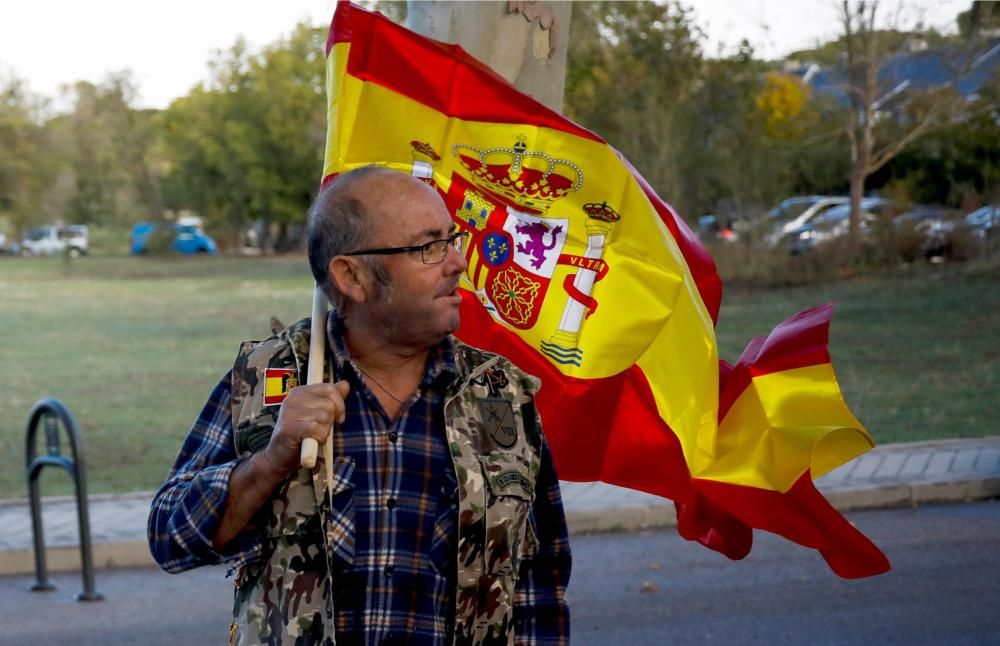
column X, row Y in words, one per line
column 314, row 375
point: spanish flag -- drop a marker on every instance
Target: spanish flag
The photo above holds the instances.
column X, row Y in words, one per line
column 584, row 277
column 277, row 383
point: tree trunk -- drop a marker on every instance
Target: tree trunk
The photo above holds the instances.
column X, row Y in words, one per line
column 858, row 176
column 525, row 42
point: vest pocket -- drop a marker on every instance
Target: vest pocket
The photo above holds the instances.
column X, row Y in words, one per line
column 295, row 517
column 507, row 509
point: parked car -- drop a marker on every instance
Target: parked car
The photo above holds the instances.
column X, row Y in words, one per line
column 710, row 228
column 833, row 223
column 923, row 231
column 186, row 239
column 73, row 239
column 984, row 223
column 794, row 213
column 792, row 207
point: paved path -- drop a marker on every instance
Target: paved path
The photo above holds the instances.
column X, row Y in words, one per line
column 890, row 475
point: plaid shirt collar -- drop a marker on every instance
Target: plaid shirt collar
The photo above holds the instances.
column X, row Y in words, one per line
column 441, row 369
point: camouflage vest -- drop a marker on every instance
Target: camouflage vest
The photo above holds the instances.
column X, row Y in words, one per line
column 495, row 441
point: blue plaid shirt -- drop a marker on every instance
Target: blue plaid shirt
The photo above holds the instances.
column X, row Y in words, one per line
column 406, row 514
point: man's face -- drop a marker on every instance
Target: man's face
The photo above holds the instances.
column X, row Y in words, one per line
column 420, row 304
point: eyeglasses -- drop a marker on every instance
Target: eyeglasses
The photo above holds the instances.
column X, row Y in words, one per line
column 431, row 253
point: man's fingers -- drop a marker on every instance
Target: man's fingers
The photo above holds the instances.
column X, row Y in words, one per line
column 316, row 397
column 343, row 389
column 323, row 411
column 316, row 429
column 338, row 390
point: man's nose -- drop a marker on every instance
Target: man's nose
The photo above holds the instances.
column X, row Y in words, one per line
column 455, row 261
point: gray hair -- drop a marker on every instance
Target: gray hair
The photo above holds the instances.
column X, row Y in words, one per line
column 338, row 223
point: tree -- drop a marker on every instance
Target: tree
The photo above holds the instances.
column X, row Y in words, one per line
column 874, row 140
column 632, row 71
column 249, row 145
column 981, row 16
column 97, row 163
column 22, row 169
column 958, row 164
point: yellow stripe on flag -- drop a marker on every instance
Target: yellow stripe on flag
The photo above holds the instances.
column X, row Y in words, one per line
column 273, row 387
column 769, row 436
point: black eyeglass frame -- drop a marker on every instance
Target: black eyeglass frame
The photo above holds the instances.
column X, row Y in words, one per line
column 422, row 248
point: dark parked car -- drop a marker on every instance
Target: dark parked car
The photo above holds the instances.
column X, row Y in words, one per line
column 710, row 227
column 924, row 231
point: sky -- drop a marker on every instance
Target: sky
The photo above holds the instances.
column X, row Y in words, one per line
column 167, row 45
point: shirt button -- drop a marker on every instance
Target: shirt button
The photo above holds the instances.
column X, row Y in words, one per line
column 391, row 503
column 393, row 436
column 389, row 569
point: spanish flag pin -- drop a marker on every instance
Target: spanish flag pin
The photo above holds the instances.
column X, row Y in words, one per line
column 277, row 383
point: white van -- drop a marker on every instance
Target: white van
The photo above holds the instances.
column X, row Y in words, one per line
column 73, row 239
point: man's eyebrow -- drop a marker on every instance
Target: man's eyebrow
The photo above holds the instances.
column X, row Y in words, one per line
column 427, row 235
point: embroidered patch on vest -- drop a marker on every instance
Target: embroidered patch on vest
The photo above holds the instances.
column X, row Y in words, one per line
column 513, row 477
column 277, row 383
column 498, row 416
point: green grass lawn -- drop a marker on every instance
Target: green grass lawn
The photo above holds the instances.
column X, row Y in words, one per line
column 133, row 345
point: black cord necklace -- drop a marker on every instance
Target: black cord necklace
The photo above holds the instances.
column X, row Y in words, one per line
column 377, row 382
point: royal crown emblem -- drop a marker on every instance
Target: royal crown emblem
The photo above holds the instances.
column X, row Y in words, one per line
column 601, row 212
column 424, row 149
column 527, row 180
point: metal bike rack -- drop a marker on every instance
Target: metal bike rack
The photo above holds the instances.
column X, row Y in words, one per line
column 53, row 413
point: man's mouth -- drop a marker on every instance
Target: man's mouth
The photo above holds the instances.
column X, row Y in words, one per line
column 450, row 293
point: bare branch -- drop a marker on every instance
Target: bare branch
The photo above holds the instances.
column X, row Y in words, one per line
column 883, row 156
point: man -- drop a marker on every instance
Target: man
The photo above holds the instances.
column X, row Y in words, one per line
column 444, row 524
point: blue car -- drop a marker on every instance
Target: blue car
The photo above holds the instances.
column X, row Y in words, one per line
column 187, row 239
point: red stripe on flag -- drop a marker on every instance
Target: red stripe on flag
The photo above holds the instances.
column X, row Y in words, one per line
column 797, row 342
column 802, row 515
column 441, row 76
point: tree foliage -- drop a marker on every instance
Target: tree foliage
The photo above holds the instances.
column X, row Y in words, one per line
column 23, row 168
column 249, row 144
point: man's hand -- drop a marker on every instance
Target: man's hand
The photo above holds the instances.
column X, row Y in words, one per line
column 308, row 411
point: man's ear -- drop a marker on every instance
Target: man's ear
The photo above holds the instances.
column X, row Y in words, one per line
column 349, row 277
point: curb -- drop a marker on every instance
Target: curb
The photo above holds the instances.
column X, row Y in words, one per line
column 66, row 558
column 914, row 494
column 91, row 498
column 135, row 554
